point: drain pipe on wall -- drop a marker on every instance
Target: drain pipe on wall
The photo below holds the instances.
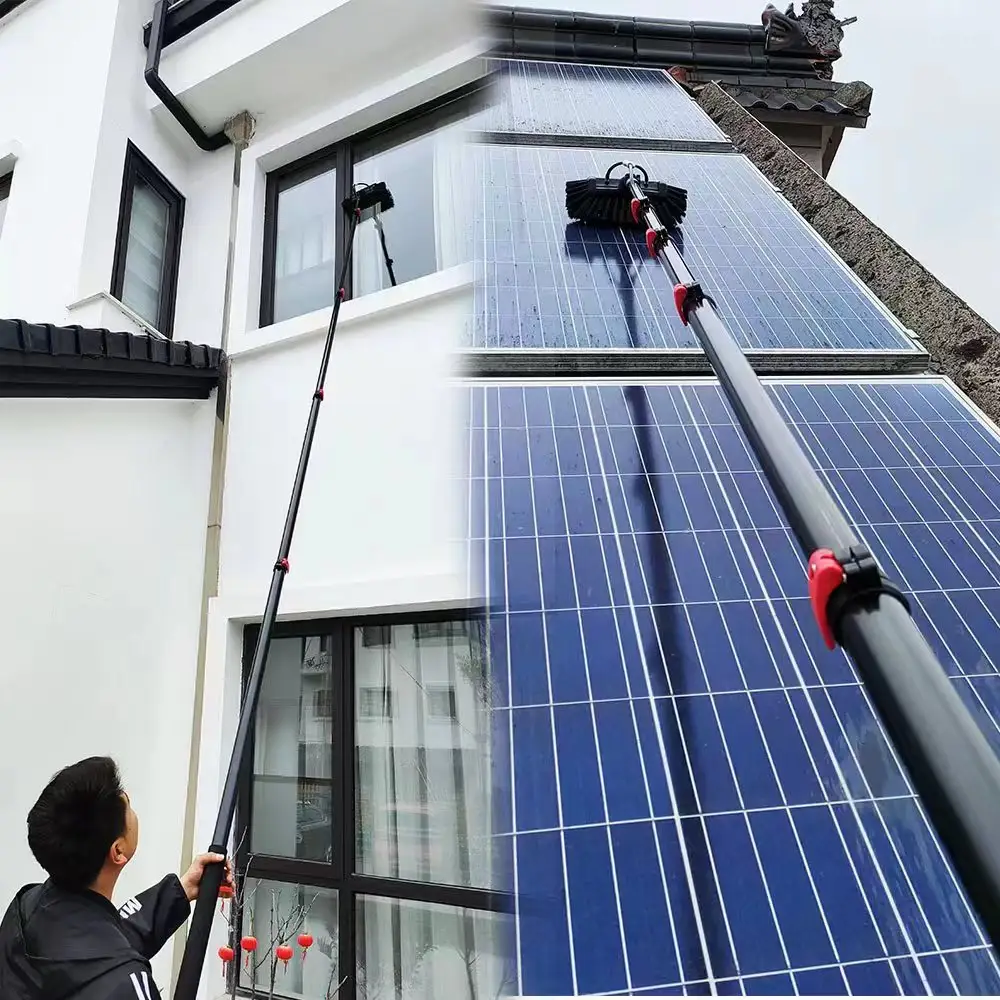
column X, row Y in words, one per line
column 239, row 131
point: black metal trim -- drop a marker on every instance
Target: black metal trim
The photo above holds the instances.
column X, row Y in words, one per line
column 605, row 142
column 342, row 156
column 339, row 874
column 155, row 43
column 5, row 182
column 138, row 166
column 185, row 17
column 9, row 6
column 654, row 362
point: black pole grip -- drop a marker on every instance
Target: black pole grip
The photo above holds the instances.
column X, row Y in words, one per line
column 950, row 763
column 200, row 931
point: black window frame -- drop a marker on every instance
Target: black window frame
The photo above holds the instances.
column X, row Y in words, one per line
column 342, row 156
column 5, row 184
column 139, row 166
column 339, row 873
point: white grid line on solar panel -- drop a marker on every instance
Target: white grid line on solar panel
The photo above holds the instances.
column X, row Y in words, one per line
column 775, row 284
column 595, row 101
column 824, row 739
column 982, row 983
column 706, row 423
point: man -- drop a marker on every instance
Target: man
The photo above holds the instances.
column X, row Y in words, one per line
column 64, row 939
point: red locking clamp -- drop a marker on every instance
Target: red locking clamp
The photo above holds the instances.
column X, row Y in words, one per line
column 656, row 240
column 825, row 576
column 688, row 297
column 837, row 581
column 639, row 205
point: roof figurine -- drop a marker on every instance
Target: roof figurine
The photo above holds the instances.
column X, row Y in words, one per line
column 816, row 33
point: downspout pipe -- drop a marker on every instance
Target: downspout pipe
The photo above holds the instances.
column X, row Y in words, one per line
column 209, row 143
column 240, row 131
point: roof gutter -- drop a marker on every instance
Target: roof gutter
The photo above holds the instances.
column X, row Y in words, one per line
column 209, row 143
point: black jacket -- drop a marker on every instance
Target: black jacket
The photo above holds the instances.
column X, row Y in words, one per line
column 58, row 945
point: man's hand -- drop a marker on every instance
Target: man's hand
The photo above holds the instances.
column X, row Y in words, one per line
column 191, row 879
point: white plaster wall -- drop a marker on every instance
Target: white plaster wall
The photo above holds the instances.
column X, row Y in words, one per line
column 104, row 504
column 74, row 94
column 381, row 500
column 54, row 57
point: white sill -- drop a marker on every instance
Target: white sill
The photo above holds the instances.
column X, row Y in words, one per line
column 355, row 312
column 102, row 311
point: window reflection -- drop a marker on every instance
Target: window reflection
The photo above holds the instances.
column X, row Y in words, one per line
column 424, row 769
column 292, row 753
column 420, row 951
column 276, row 913
column 424, row 231
column 304, row 261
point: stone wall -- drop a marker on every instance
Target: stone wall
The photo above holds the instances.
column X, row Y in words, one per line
column 962, row 345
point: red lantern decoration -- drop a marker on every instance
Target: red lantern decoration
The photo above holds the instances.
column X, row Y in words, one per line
column 249, row 945
column 305, row 943
column 227, row 955
column 284, row 953
column 225, row 892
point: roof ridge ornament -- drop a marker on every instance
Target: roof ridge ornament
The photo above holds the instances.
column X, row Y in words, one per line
column 816, row 33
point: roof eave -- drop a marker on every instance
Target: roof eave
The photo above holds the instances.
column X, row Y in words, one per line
column 50, row 361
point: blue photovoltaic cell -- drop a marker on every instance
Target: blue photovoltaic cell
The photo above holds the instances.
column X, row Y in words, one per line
column 676, row 739
column 545, row 282
column 595, row 102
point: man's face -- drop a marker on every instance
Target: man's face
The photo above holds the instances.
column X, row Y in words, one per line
column 131, row 837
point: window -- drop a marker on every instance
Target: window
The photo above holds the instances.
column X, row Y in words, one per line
column 4, row 195
column 305, row 229
column 441, row 703
column 375, row 837
column 323, row 704
column 147, row 252
column 375, row 703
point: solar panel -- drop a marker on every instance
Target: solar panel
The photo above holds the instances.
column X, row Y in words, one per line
column 546, row 282
column 565, row 99
column 694, row 792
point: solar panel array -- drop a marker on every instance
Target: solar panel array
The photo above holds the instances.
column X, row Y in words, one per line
column 595, row 101
column 546, row 282
column 695, row 795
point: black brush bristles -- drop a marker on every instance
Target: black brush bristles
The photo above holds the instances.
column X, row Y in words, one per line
column 602, row 202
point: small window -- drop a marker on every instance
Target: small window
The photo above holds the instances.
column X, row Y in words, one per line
column 147, row 252
column 375, row 703
column 441, row 703
column 427, row 631
column 376, row 636
column 323, row 704
column 4, row 195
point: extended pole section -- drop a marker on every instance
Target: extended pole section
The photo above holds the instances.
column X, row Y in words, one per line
column 364, row 201
column 950, row 762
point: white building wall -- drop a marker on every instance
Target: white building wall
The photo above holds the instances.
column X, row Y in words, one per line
column 102, row 615
column 104, row 504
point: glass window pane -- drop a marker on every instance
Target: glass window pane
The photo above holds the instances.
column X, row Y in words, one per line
column 423, row 759
column 147, row 248
column 424, row 232
column 292, row 784
column 304, row 259
column 413, row 951
column 276, row 913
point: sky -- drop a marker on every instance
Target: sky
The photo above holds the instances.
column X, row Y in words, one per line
column 927, row 168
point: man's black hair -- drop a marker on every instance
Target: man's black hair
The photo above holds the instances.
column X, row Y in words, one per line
column 77, row 818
